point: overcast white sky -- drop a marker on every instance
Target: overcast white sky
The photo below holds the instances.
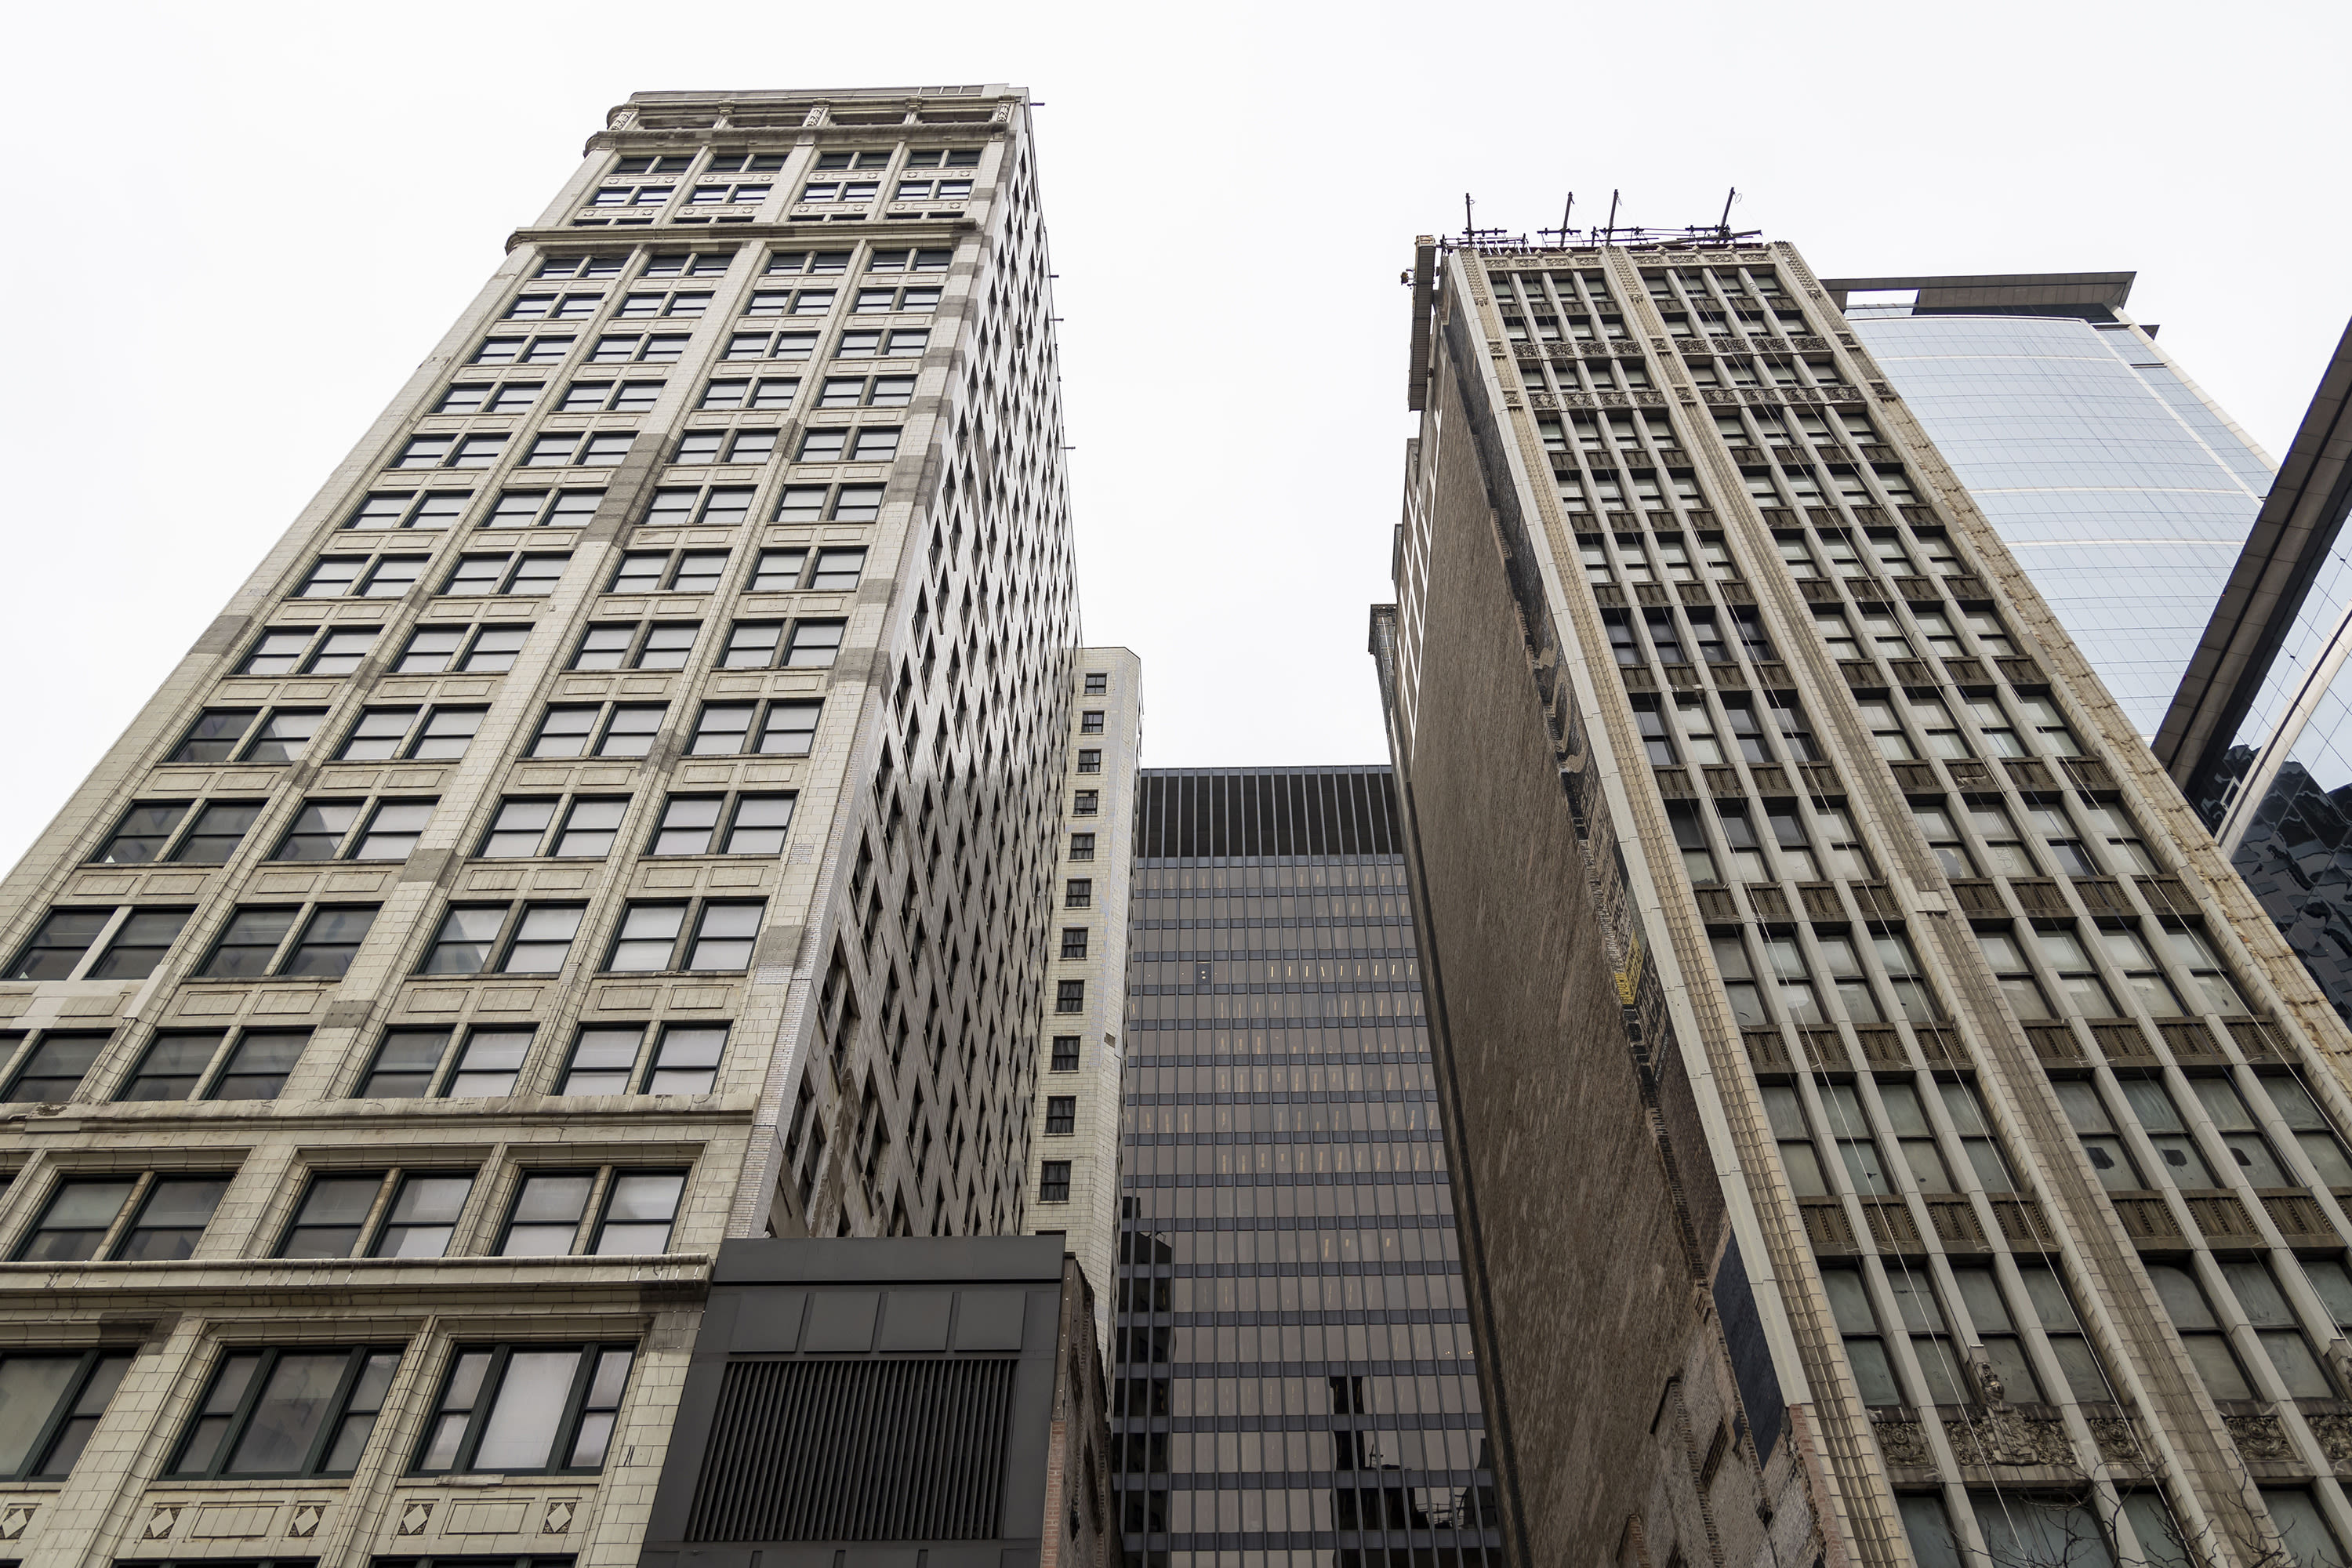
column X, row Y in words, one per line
column 236, row 227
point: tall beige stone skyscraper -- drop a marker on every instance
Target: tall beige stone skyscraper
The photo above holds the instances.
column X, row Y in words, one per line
column 625, row 810
column 1884, row 1130
column 1075, row 1150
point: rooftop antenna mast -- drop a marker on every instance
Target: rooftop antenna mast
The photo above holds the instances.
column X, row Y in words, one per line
column 1608, row 230
column 1564, row 232
column 1723, row 224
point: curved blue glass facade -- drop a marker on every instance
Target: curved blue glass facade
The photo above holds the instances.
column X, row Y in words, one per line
column 2123, row 494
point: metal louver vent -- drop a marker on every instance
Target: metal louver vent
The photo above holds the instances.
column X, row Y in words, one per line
column 874, row 1449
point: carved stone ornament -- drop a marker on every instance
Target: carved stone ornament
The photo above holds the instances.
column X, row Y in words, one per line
column 2117, row 1442
column 14, row 1517
column 2258, row 1436
column 416, row 1516
column 2334, row 1435
column 1902, row 1443
column 161, row 1523
column 561, row 1512
column 308, row 1516
column 2003, row 1436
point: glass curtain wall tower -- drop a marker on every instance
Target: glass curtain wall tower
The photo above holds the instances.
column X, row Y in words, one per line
column 2120, row 487
column 1291, row 1377
column 619, row 815
column 1884, row 1130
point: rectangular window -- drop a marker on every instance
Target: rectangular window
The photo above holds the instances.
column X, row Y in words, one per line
column 716, row 506
column 53, row 1069
column 544, row 509
column 657, row 937
column 1082, row 846
column 85, row 1219
column 526, row 1409
column 300, row 1411
column 49, row 1405
column 633, row 1212
column 1061, row 1115
column 1089, row 761
column 652, row 348
column 254, row 942
column 138, row 839
column 616, row 729
column 813, row 643
column 692, row 824
column 608, row 1060
column 540, row 350
column 378, row 1214
column 1078, row 893
column 655, row 571
column 783, row 345
column 59, row 948
column 2204, row 1335
column 1074, row 941
column 1866, row 1350
column 1053, row 1182
column 406, row 1062
column 487, row 1064
column 1066, row 1053
column 437, row 734
column 178, row 1066
column 1069, row 996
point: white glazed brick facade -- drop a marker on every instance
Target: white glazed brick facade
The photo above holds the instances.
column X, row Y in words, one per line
column 895, row 970
column 1089, row 1218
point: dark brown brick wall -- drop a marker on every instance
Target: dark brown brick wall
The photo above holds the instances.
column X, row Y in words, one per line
column 1582, row 1268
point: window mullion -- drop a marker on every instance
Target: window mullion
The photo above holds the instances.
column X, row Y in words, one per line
column 139, row 1187
column 245, row 1405
column 218, row 1062
column 592, row 1217
column 295, row 930
column 377, row 1212
column 330, row 1429
column 494, row 1378
column 115, row 920
column 567, row 1425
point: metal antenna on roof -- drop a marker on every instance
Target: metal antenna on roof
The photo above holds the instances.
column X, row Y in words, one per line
column 1563, row 230
column 1608, row 230
column 1469, row 228
column 1723, row 224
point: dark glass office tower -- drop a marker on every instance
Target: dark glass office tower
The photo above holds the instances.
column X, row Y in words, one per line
column 1292, row 1365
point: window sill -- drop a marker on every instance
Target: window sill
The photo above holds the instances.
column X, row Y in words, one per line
column 244, row 1484
column 505, row 1478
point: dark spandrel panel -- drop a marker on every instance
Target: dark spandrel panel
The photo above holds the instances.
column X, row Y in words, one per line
column 1186, row 815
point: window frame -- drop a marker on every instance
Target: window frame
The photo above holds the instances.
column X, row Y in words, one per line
column 228, row 1046
column 392, row 1183
column 41, row 1453
column 478, row 1415
column 291, row 945
column 240, row 1419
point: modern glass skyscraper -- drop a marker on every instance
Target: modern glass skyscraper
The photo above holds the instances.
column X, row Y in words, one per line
column 619, row 815
column 2260, row 734
column 2123, row 491
column 2131, row 500
column 1292, row 1376
column 1883, row 1130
